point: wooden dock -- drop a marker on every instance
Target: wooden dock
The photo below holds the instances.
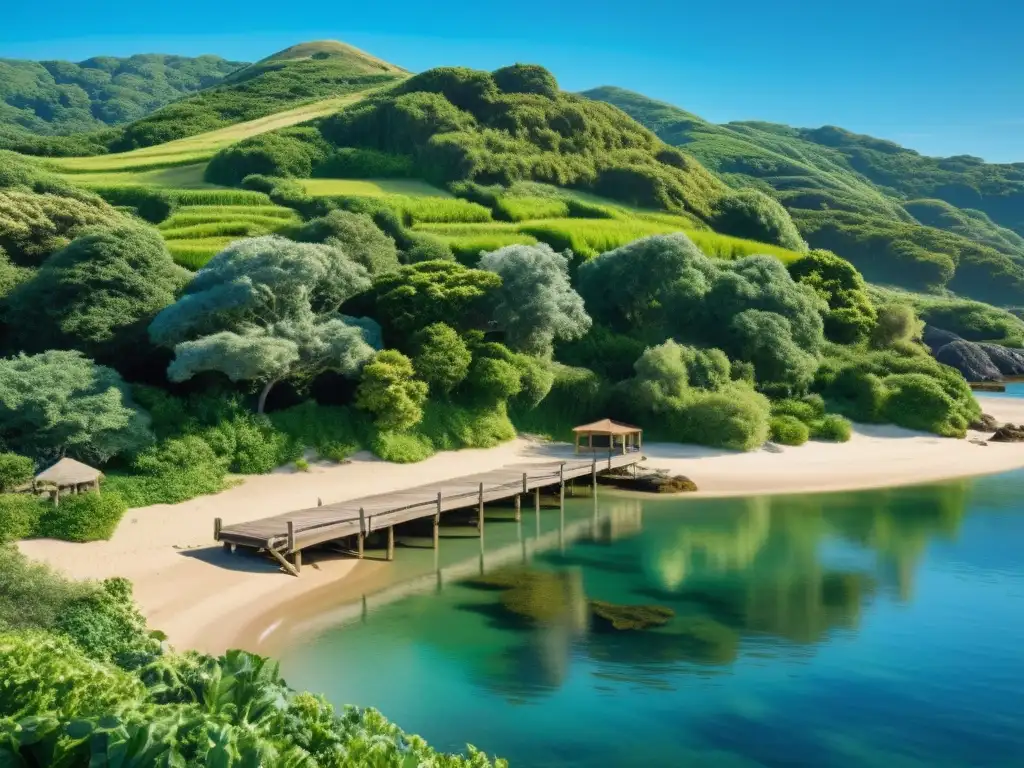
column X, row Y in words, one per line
column 289, row 533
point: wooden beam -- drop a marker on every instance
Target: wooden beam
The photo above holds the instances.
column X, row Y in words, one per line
column 216, row 528
column 437, row 522
column 391, row 542
column 284, row 563
column 480, row 519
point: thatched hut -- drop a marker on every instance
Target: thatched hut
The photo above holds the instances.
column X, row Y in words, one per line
column 68, row 475
column 608, row 436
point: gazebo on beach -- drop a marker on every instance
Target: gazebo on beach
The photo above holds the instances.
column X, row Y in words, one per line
column 607, row 436
column 70, row 475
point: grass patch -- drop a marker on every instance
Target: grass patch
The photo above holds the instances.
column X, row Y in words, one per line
column 467, row 249
column 193, row 254
column 527, row 208
column 196, row 233
column 372, row 188
column 182, row 177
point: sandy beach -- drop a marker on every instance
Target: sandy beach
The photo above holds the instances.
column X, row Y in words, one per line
column 206, row 599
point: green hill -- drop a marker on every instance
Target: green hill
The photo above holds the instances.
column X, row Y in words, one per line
column 889, row 210
column 62, row 97
column 297, row 76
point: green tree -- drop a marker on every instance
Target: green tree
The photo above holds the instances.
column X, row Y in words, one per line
column 97, row 294
column 60, row 403
column 766, row 340
column 266, row 310
column 15, row 470
column 851, row 315
column 536, row 303
column 442, row 358
column 430, row 292
column 357, row 236
column 390, row 391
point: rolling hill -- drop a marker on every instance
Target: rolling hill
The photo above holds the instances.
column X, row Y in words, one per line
column 61, row 97
column 894, row 213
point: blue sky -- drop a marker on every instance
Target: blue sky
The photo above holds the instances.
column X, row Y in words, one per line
column 944, row 76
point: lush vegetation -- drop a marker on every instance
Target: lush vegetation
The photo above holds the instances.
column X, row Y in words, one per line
column 901, row 218
column 86, row 683
column 60, row 97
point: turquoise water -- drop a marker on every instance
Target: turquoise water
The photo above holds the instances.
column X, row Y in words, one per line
column 879, row 628
column 1013, row 389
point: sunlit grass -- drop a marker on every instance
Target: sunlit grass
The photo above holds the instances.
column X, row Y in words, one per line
column 373, row 187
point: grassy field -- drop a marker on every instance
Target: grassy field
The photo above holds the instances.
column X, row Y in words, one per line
column 174, row 177
column 200, row 148
column 373, row 188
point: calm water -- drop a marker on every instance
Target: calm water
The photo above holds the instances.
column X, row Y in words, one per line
column 1013, row 389
column 881, row 628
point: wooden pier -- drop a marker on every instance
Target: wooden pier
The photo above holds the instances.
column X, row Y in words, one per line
column 286, row 535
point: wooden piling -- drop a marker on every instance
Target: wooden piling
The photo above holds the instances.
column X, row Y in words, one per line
column 291, row 536
column 561, row 484
column 480, row 518
column 519, row 508
column 391, row 542
column 362, row 533
column 437, row 522
column 216, row 528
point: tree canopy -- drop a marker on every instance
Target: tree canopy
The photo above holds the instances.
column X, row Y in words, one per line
column 357, row 236
column 536, row 303
column 266, row 310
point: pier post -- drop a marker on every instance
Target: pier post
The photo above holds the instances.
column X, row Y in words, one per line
column 536, row 507
column 216, row 528
column 362, row 532
column 561, row 484
column 480, row 518
column 593, row 477
column 519, row 508
column 296, row 554
column 391, row 542
column 437, row 522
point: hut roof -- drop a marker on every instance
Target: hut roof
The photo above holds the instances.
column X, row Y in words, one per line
column 608, row 427
column 69, row 472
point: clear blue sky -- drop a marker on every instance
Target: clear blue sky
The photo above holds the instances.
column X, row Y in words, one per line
column 942, row 76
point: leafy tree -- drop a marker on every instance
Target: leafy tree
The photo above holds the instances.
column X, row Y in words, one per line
column 59, row 403
column 766, row 340
column 851, row 315
column 357, row 236
column 526, row 78
column 443, row 358
column 753, row 215
column 431, row 292
column 494, row 379
column 266, row 310
column 536, row 303
column 97, row 294
column 628, row 286
column 390, row 391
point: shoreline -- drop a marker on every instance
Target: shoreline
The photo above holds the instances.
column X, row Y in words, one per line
column 208, row 600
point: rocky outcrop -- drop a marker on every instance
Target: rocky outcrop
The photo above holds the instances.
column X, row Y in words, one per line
column 936, row 338
column 984, row 423
column 1009, row 361
column 970, row 359
column 1008, row 433
column 651, row 482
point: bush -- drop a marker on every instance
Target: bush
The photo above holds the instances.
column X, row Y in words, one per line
column 83, row 517
column 419, row 247
column 106, row 625
column 291, row 152
column 357, row 236
column 402, row 447
column 15, row 470
column 173, row 471
column 736, row 418
column 916, row 401
column 442, row 358
column 301, row 465
column 789, row 430
column 807, row 409
column 896, row 323
column 390, row 391
column 832, row 427
column 353, row 163
column 19, row 516
column 753, row 215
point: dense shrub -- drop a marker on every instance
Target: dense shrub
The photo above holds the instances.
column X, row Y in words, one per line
column 82, row 517
column 291, row 152
column 173, row 471
column 526, row 78
column 19, row 516
column 391, row 392
column 753, row 215
column 832, row 427
column 851, row 315
column 107, row 626
column 917, row 401
column 735, row 418
column 896, row 323
column 356, row 235
column 442, row 358
column 15, row 470
column 32, row 595
column 353, row 163
column 150, row 203
column 788, row 430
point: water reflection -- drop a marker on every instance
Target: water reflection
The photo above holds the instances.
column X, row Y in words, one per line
column 842, row 630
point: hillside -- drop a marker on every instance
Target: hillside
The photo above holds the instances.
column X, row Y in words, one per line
column 889, row 210
column 287, row 80
column 62, row 97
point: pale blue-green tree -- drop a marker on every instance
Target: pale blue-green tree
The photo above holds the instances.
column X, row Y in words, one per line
column 536, row 304
column 266, row 310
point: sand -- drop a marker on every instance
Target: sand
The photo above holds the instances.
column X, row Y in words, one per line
column 206, row 599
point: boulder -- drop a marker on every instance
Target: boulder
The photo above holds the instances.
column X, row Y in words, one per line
column 970, row 359
column 1009, row 361
column 936, row 338
column 984, row 423
column 1008, row 433
column 651, row 482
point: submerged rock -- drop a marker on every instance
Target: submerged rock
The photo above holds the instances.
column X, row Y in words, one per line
column 970, row 359
column 650, row 482
column 1008, row 433
column 542, row 597
column 622, row 617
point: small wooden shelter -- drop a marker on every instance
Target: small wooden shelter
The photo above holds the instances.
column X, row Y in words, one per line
column 607, row 436
column 70, row 475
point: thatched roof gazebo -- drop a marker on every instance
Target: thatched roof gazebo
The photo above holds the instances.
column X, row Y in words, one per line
column 607, row 436
column 68, row 474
